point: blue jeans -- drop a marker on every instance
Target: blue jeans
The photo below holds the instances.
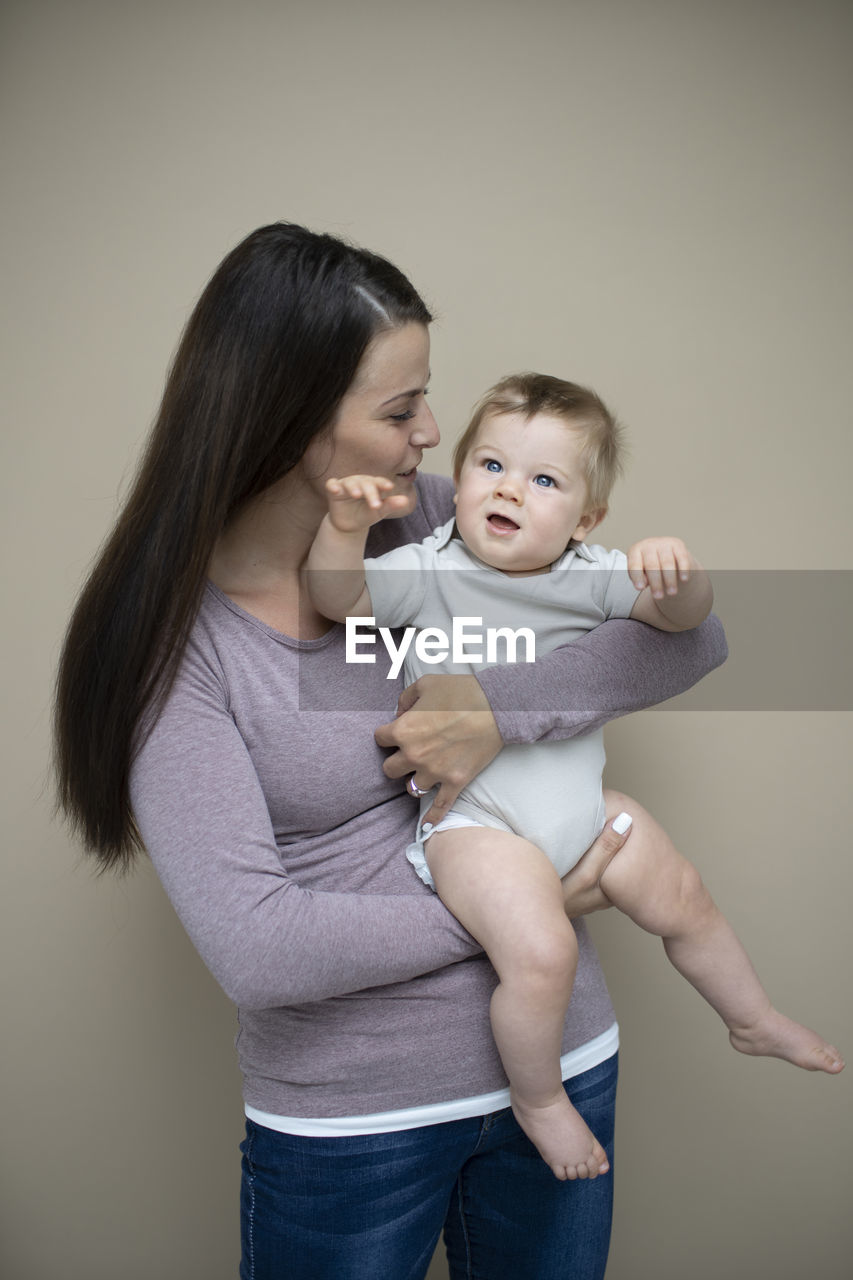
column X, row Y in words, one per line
column 373, row 1208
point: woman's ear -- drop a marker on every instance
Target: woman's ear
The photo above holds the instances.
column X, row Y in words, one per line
column 588, row 522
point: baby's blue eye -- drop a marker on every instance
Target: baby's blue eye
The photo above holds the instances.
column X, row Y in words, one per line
column 492, row 464
column 546, row 482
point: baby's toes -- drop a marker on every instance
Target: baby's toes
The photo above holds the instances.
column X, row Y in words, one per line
column 829, row 1058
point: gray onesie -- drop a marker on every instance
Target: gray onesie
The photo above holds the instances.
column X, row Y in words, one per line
column 548, row 792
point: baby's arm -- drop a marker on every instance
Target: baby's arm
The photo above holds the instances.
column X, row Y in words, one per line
column 675, row 591
column 335, row 565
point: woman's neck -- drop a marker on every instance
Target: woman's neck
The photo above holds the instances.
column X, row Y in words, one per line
column 259, row 556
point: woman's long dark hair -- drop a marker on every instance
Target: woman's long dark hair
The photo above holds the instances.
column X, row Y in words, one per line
column 266, row 356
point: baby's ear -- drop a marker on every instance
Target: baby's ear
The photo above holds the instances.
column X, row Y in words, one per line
column 588, row 522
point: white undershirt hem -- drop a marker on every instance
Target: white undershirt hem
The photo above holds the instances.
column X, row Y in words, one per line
column 589, row 1055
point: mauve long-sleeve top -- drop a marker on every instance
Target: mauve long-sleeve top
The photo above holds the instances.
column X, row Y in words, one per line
column 262, row 802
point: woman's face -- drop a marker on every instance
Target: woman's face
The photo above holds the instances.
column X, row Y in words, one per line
column 383, row 423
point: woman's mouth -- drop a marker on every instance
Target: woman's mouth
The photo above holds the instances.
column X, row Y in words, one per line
column 501, row 524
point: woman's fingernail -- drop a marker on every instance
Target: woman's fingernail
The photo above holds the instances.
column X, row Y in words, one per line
column 622, row 823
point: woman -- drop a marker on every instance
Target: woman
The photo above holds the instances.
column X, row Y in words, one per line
column 206, row 712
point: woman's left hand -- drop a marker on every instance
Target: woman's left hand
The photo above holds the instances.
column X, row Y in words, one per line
column 582, row 891
column 445, row 734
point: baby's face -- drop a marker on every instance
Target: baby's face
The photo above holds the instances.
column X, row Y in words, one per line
column 522, row 493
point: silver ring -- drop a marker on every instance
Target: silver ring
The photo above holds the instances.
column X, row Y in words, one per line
column 416, row 791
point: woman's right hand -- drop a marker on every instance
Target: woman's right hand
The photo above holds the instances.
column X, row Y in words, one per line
column 582, row 891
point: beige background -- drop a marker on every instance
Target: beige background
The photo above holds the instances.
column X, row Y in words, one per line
column 651, row 196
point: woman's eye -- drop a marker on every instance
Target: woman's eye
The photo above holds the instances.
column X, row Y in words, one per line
column 492, row 464
column 546, row 482
column 409, row 413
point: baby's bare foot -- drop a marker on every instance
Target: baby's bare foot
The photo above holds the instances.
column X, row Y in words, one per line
column 562, row 1138
column 776, row 1036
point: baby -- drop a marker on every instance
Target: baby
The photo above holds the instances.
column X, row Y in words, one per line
column 533, row 474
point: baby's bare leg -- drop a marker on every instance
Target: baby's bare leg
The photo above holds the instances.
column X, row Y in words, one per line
column 506, row 893
column 661, row 891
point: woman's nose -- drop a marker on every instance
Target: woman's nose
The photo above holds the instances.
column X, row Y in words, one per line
column 425, row 432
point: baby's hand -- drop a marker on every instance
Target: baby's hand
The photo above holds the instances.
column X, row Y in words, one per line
column 660, row 564
column 357, row 502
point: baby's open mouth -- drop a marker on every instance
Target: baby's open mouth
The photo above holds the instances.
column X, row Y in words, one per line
column 502, row 523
